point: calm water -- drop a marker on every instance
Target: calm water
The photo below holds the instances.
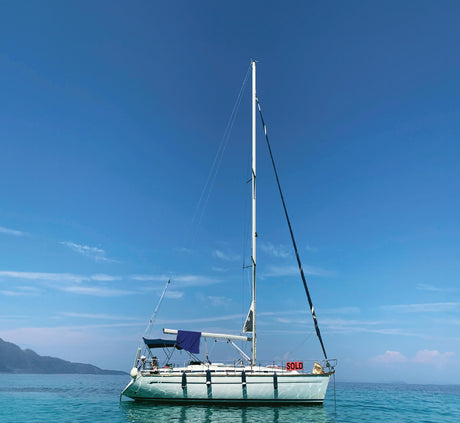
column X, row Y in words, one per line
column 88, row 398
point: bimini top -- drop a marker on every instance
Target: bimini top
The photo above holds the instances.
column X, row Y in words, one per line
column 161, row 343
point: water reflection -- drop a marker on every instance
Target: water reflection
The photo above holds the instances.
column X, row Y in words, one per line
column 145, row 412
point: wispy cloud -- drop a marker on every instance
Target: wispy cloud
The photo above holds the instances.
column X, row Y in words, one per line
column 219, row 269
column 94, row 253
column 14, row 317
column 104, row 278
column 341, row 310
column 433, row 357
column 56, row 277
column 21, row 291
column 96, row 316
column 182, row 281
column 13, row 232
column 344, row 323
column 200, row 320
column 174, row 295
column 96, row 291
column 226, row 256
column 184, row 250
column 280, row 251
column 425, row 287
column 217, row 301
column 311, row 249
column 151, row 278
column 278, row 271
column 43, row 276
column 423, row 308
column 390, row 357
column 9, row 293
column 346, row 326
column 73, row 335
column 284, row 320
column 66, row 282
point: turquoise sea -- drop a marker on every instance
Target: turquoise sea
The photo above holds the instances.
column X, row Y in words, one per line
column 91, row 398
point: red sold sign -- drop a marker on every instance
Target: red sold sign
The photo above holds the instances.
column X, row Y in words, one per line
column 294, row 365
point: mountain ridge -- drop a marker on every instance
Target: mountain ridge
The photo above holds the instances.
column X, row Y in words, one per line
column 13, row 359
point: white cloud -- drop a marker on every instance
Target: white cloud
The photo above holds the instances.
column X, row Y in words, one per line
column 341, row 310
column 182, row 281
column 311, row 249
column 226, row 256
column 97, row 316
column 280, row 251
column 279, row 271
column 200, row 320
column 96, row 291
column 219, row 269
column 422, row 356
column 8, row 293
column 174, row 295
column 56, row 277
column 151, row 278
column 194, row 280
column 432, row 357
column 184, row 250
column 362, row 326
column 284, row 320
column 343, row 323
column 21, row 291
column 42, row 276
column 59, row 335
column 423, row 308
column 426, row 287
column 94, row 253
column 217, row 301
column 104, row 278
column 390, row 357
column 13, row 317
column 14, row 232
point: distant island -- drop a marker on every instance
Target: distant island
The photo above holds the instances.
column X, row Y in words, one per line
column 15, row 360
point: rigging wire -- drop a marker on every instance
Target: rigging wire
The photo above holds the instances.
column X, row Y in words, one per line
column 297, row 347
column 207, row 189
column 155, row 312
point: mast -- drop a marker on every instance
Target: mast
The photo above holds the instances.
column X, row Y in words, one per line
column 254, row 233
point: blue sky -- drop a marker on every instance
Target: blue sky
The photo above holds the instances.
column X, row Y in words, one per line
column 111, row 115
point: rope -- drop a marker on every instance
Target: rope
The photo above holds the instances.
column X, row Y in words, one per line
column 312, row 309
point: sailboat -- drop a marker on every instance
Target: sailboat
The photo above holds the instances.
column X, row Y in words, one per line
column 245, row 381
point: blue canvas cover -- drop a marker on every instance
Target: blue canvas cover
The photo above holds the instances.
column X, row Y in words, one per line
column 160, row 343
column 189, row 341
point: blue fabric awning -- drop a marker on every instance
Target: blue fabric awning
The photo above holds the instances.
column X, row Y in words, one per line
column 161, row 343
column 189, row 341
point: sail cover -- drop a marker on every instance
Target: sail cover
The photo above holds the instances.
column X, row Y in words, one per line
column 189, row 341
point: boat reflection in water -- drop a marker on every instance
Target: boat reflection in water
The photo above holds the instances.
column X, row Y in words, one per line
column 144, row 412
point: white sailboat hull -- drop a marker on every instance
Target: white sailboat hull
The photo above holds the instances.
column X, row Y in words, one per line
column 259, row 388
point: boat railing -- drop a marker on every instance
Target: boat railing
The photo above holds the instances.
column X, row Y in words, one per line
column 308, row 366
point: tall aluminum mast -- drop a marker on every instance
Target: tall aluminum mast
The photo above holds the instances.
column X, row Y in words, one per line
column 254, row 233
